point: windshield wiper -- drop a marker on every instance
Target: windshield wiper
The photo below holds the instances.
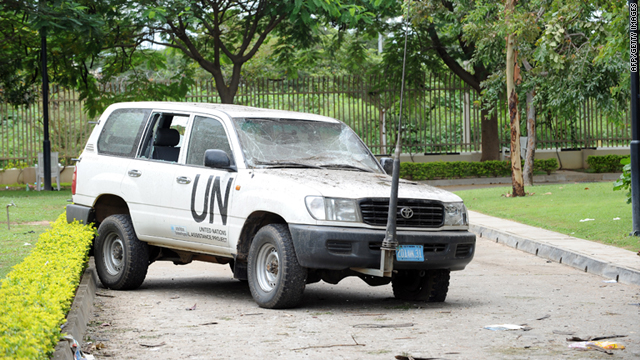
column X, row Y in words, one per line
column 344, row 166
column 286, row 164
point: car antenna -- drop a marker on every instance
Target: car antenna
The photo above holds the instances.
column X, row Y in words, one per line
column 390, row 242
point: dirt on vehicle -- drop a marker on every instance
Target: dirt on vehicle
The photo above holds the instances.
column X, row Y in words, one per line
column 199, row 311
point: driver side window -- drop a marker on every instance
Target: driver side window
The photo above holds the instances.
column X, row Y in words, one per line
column 206, row 133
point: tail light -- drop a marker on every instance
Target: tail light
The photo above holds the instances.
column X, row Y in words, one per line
column 73, row 180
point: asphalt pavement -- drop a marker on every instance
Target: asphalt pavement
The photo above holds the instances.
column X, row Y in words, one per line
column 592, row 257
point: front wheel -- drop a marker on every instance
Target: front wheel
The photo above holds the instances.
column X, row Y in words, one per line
column 121, row 259
column 276, row 279
column 421, row 285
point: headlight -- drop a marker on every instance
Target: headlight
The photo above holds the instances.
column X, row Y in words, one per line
column 455, row 214
column 332, row 209
column 315, row 206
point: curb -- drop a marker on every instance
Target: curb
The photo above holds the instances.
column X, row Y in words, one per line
column 571, row 258
column 79, row 314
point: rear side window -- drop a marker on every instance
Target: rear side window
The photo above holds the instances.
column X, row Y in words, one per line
column 122, row 131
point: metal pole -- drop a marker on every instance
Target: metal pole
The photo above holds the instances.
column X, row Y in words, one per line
column 390, row 242
column 46, row 145
column 9, row 220
column 635, row 131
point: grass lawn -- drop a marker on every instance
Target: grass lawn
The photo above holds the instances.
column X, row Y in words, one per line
column 560, row 208
column 31, row 217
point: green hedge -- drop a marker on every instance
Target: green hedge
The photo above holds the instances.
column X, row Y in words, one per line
column 462, row 169
column 37, row 294
column 606, row 163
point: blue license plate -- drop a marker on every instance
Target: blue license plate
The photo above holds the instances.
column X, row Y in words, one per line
column 409, row 253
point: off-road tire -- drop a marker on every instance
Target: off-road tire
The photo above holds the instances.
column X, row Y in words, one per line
column 276, row 279
column 121, row 259
column 421, row 285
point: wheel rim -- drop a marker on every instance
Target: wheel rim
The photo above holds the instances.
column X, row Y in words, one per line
column 267, row 267
column 113, row 253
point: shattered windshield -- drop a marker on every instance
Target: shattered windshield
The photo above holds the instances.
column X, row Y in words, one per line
column 303, row 144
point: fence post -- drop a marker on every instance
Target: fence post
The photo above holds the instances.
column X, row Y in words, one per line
column 467, row 118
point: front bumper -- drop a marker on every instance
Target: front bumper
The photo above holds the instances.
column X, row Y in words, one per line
column 337, row 248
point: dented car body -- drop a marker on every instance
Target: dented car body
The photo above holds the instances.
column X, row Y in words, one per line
column 285, row 198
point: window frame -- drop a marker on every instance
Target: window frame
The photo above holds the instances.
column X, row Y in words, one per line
column 190, row 132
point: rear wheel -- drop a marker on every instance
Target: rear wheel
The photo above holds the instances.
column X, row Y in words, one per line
column 276, row 279
column 121, row 259
column 421, row 285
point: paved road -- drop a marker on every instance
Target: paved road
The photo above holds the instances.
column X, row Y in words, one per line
column 354, row 321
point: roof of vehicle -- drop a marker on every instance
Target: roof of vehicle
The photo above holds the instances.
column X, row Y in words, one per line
column 233, row 111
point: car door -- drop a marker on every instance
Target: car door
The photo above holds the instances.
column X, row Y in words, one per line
column 149, row 178
column 116, row 147
column 202, row 195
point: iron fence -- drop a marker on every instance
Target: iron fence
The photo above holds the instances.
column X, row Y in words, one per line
column 441, row 115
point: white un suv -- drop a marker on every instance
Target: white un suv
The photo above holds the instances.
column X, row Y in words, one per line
column 285, row 198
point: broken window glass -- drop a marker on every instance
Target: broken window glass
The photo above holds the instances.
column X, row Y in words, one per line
column 302, row 143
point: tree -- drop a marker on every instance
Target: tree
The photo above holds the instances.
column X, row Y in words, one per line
column 513, row 76
column 439, row 26
column 215, row 33
column 76, row 28
column 558, row 43
column 88, row 46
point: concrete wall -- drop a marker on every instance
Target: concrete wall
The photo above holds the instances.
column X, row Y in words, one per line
column 28, row 175
column 569, row 159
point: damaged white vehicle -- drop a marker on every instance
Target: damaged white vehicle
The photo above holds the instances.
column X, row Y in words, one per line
column 286, row 198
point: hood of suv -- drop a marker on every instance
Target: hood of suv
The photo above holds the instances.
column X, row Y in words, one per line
column 351, row 184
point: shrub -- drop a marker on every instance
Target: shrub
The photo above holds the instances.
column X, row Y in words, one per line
column 624, row 182
column 461, row 169
column 548, row 165
column 606, row 163
column 36, row 295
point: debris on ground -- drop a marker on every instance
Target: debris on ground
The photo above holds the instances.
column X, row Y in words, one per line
column 597, row 338
column 503, row 327
column 560, row 332
column 603, row 346
column 192, row 308
column 379, row 326
column 104, row 295
column 330, row 346
column 154, row 345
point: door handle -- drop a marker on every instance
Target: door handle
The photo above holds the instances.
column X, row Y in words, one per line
column 183, row 180
column 134, row 173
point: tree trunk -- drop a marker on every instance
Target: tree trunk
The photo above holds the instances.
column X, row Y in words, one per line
column 490, row 138
column 531, row 139
column 227, row 92
column 226, row 96
column 514, row 115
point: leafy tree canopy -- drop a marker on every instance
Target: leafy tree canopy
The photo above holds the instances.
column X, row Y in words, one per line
column 559, row 44
column 216, row 34
column 74, row 29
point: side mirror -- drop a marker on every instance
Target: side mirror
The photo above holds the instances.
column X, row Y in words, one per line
column 387, row 164
column 218, row 159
